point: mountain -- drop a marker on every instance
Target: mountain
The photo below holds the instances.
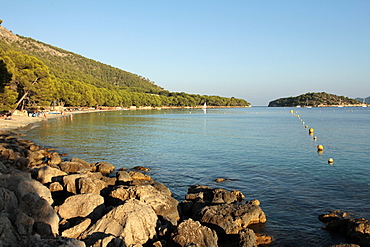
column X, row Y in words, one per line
column 314, row 99
column 364, row 100
column 33, row 73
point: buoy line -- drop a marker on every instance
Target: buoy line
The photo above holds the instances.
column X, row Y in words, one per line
column 320, row 149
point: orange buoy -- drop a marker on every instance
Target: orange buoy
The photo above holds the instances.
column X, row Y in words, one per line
column 320, row 147
column 330, row 160
column 315, row 138
column 311, row 130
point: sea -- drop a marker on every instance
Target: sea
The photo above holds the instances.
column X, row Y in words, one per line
column 266, row 153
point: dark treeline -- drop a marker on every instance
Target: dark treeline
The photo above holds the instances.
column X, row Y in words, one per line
column 314, row 99
column 36, row 74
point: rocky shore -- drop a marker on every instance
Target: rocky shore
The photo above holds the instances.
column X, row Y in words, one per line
column 46, row 200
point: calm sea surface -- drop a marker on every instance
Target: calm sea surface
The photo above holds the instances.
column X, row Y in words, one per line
column 266, row 153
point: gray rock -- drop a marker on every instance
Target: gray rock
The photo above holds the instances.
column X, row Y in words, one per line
column 192, row 232
column 24, row 224
column 231, row 218
column 46, row 220
column 8, row 200
column 21, row 186
column 81, row 205
column 8, row 236
column 134, row 222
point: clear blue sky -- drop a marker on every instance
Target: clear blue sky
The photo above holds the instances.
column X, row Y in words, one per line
column 257, row 50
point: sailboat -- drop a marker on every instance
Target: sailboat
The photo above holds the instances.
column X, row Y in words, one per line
column 364, row 103
column 205, row 105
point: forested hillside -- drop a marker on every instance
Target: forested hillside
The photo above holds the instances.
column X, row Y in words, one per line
column 314, row 99
column 38, row 74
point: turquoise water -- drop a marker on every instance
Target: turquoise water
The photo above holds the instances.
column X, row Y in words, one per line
column 266, row 153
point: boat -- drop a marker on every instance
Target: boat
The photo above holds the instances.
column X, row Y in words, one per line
column 205, row 105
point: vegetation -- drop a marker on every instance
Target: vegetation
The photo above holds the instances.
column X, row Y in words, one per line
column 314, row 99
column 36, row 74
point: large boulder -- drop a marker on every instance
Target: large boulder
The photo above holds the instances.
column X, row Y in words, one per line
column 21, row 185
column 8, row 236
column 46, row 220
column 134, row 222
column 54, row 159
column 47, row 174
column 247, row 238
column 82, row 205
column 73, row 167
column 91, row 185
column 162, row 203
column 75, row 231
column 231, row 218
column 192, row 233
column 135, row 175
column 8, row 200
column 70, row 184
column 104, row 167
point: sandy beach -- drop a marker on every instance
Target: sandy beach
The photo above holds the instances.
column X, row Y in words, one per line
column 16, row 122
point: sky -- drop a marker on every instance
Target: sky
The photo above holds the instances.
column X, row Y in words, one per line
column 257, row 50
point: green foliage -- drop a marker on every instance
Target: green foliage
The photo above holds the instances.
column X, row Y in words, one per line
column 48, row 74
column 313, row 99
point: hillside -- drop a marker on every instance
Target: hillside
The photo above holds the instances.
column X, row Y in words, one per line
column 64, row 64
column 314, row 99
column 38, row 74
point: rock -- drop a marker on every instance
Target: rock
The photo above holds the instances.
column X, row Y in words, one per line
column 219, row 180
column 73, row 167
column 46, row 220
column 54, row 159
column 24, row 224
column 83, row 162
column 8, row 200
column 123, row 176
column 21, row 186
column 135, row 175
column 91, row 185
column 75, row 232
column 223, row 196
column 104, row 167
column 162, row 204
column 47, row 174
column 239, row 195
column 59, row 242
column 231, row 218
column 141, row 168
column 109, row 181
column 161, row 188
column 70, row 182
column 82, row 205
column 192, row 233
column 8, row 236
column 54, row 187
column 134, row 222
column 200, row 192
column 247, row 238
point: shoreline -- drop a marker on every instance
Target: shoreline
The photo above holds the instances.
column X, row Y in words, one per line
column 18, row 121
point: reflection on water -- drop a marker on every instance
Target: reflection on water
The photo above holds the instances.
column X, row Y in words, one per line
column 264, row 152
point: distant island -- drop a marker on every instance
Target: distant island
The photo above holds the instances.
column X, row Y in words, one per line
column 38, row 75
column 315, row 100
